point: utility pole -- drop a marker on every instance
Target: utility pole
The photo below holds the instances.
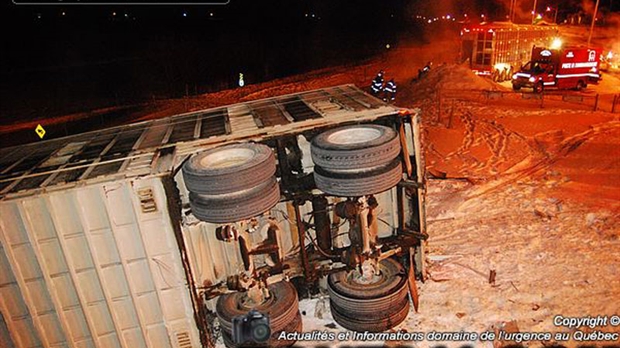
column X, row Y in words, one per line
column 534, row 11
column 593, row 21
column 513, row 4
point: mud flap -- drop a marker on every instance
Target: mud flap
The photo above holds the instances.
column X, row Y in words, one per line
column 413, row 288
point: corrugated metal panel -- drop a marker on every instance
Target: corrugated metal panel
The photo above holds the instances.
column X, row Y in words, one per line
column 94, row 266
column 14, row 311
column 5, row 337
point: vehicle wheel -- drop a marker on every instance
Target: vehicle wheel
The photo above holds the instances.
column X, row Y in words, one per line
column 516, row 87
column 381, row 322
column 235, row 206
column 350, row 293
column 359, row 182
column 581, row 85
column 495, row 76
column 538, row 88
column 355, row 147
column 282, row 308
column 229, row 168
column 376, row 306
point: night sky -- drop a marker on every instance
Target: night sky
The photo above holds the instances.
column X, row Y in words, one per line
column 62, row 58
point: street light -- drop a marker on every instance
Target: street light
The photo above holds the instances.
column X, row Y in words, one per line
column 555, row 16
column 593, row 20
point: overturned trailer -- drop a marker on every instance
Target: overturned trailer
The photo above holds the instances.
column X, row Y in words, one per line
column 143, row 235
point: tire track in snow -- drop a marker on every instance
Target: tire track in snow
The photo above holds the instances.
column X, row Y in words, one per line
column 567, row 146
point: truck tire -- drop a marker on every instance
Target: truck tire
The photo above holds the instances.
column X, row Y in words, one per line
column 282, row 308
column 516, row 87
column 229, row 168
column 237, row 206
column 381, row 321
column 581, row 85
column 359, row 182
column 376, row 306
column 355, row 147
column 538, row 87
column 344, row 290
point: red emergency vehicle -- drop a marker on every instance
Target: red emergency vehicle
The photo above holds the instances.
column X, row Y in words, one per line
column 571, row 67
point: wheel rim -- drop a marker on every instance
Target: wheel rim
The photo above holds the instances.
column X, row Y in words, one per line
column 389, row 277
column 246, row 303
column 227, row 158
column 375, row 310
column 356, row 277
column 354, row 136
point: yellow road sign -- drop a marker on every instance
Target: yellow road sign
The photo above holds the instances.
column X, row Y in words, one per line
column 40, row 131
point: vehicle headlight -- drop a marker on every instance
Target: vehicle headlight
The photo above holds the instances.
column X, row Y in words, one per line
column 514, row 77
column 532, row 79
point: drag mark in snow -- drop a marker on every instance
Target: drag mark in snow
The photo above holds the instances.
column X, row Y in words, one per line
column 572, row 143
column 470, row 126
column 567, row 146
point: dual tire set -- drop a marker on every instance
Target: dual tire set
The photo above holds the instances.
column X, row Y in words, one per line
column 370, row 306
column 357, row 160
column 237, row 182
column 282, row 307
column 232, row 183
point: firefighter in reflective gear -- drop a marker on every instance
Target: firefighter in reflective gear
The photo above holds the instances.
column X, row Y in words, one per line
column 377, row 83
column 389, row 91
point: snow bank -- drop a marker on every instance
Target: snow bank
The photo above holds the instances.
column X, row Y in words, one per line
column 452, row 76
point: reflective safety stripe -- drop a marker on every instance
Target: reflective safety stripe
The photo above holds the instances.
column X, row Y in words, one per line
column 390, row 87
column 578, row 75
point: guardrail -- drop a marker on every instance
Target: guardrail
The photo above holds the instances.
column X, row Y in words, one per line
column 449, row 99
column 615, row 104
column 587, row 101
